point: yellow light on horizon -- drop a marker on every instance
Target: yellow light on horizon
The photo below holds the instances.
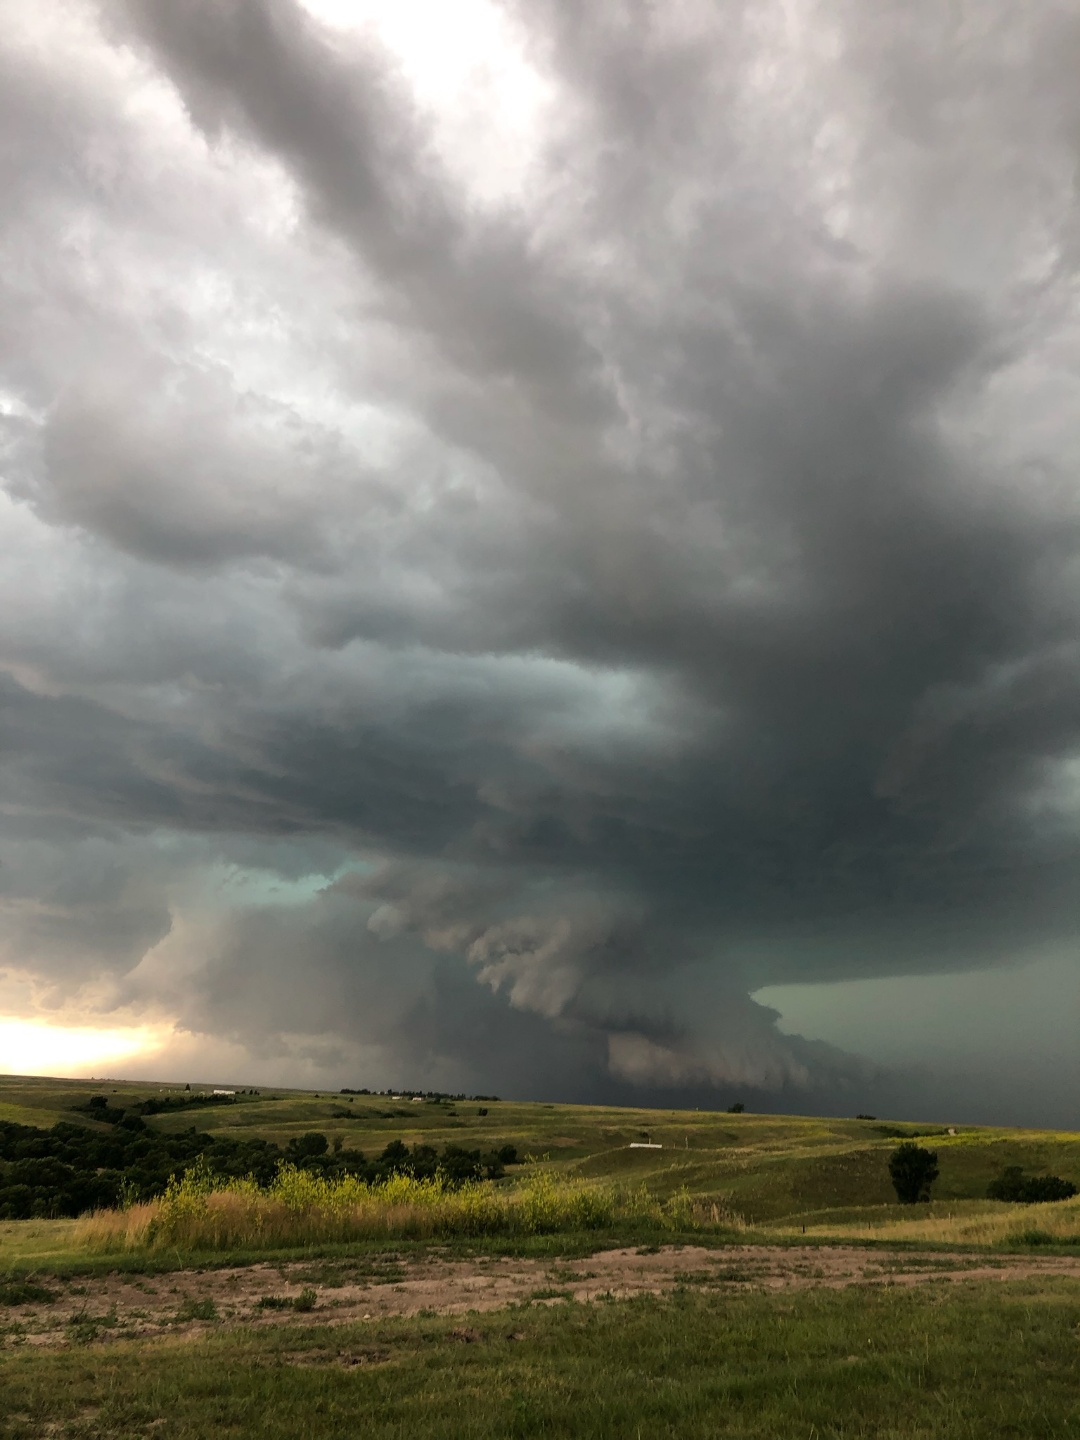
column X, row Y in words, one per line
column 36, row 1047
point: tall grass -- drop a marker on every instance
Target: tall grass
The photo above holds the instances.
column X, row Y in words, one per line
column 203, row 1212
column 961, row 1223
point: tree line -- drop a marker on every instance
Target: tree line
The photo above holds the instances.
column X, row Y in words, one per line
column 72, row 1168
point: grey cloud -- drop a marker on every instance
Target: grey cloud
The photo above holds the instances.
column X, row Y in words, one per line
column 71, row 912
column 598, row 969
column 172, row 469
column 347, row 969
column 356, row 147
column 317, row 975
column 651, row 590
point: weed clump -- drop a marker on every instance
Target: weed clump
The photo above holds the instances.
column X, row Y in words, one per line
column 24, row 1292
column 201, row 1211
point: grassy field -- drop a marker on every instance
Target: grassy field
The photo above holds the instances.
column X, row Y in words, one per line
column 954, row 1364
column 763, row 1173
column 964, row 1358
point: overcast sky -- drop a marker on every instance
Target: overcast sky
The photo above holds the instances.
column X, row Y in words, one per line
column 540, row 545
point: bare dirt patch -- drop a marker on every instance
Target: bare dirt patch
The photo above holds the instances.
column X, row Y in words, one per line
column 193, row 1301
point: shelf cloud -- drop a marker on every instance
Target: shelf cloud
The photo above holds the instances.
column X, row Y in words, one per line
column 481, row 602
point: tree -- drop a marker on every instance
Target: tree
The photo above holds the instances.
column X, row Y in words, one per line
column 395, row 1156
column 913, row 1170
column 306, row 1147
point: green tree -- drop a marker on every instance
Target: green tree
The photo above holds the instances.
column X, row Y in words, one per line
column 913, row 1170
column 306, row 1147
column 1012, row 1184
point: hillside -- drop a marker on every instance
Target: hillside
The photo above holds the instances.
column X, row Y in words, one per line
column 746, row 1325
column 769, row 1169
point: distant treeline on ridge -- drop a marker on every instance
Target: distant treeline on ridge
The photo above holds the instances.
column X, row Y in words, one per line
column 73, row 1168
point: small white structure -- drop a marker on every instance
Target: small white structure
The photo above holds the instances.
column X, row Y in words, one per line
column 644, row 1145
column 224, row 1092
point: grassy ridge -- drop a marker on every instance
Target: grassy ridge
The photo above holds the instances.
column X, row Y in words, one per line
column 955, row 1364
column 766, row 1173
column 949, row 1362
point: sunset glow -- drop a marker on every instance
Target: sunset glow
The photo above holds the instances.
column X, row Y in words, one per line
column 34, row 1047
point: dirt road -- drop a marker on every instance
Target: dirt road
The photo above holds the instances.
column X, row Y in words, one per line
column 118, row 1306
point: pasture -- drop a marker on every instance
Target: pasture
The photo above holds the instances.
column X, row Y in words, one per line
column 770, row 1173
column 751, row 1277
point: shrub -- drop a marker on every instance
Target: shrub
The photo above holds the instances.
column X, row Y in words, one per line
column 913, row 1170
column 1013, row 1185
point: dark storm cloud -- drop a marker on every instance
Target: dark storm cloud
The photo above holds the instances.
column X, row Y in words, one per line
column 655, row 585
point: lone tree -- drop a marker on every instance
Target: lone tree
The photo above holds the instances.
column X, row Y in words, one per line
column 913, row 1171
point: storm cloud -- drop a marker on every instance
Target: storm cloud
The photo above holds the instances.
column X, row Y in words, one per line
column 518, row 537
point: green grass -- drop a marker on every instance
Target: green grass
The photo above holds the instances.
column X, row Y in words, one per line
column 948, row 1363
column 767, row 1174
column 771, row 1171
column 950, row 1360
column 770, row 1168
column 29, row 1244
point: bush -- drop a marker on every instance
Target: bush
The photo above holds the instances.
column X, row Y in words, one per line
column 1020, row 1189
column 913, row 1170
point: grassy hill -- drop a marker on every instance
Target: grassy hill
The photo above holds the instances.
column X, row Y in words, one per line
column 771, row 1170
column 723, row 1356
